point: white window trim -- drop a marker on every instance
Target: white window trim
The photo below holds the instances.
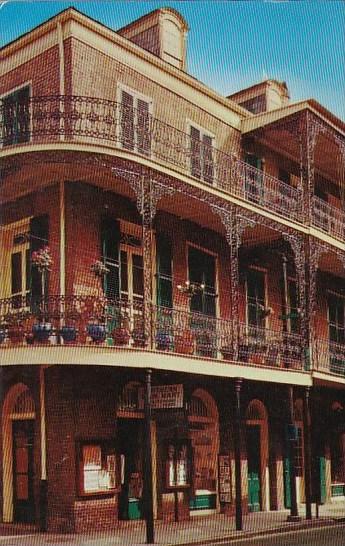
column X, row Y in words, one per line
column 136, row 95
column 7, row 234
column 10, row 92
column 208, row 133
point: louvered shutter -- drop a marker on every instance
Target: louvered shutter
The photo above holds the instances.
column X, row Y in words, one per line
column 208, row 165
column 164, row 272
column 127, row 120
column 143, row 127
column 110, row 243
column 195, row 146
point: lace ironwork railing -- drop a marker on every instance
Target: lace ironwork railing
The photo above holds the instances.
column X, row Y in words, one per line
column 328, row 218
column 263, row 346
column 74, row 118
column 329, row 357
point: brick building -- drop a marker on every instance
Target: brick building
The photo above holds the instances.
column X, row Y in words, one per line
column 158, row 237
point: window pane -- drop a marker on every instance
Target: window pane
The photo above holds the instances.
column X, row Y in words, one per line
column 138, row 281
column 127, row 121
column 124, row 272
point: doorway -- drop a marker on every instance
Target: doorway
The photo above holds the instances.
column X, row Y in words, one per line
column 254, row 464
column 23, row 474
column 131, row 441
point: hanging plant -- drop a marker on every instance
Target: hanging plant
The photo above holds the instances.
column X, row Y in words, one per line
column 99, row 268
column 42, row 259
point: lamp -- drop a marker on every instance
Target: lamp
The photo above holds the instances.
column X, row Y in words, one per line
column 191, row 288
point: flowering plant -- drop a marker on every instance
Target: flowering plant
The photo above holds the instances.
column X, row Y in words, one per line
column 99, row 269
column 42, row 259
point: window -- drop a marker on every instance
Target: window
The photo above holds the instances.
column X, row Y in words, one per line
column 134, row 122
column 16, row 117
column 336, row 318
column 20, row 275
column 164, row 272
column 293, row 314
column 178, row 464
column 97, row 468
column 256, row 299
column 256, row 105
column 202, row 272
column 284, row 176
column 202, row 155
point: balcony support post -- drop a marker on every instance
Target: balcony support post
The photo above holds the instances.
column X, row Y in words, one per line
column 238, row 446
column 292, row 444
column 307, row 451
column 307, row 144
column 147, row 242
column 148, row 489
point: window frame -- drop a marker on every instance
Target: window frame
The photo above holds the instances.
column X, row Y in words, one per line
column 190, row 244
column 7, row 94
column 340, row 297
column 137, row 95
column 265, row 274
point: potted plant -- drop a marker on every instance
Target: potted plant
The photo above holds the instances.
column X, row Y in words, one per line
column 164, row 341
column 99, row 268
column 139, row 337
column 42, row 260
column 121, row 333
column 68, row 333
column 97, row 328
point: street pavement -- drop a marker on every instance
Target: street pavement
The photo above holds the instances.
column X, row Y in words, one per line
column 273, row 528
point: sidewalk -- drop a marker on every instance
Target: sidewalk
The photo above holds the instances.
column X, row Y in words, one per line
column 195, row 531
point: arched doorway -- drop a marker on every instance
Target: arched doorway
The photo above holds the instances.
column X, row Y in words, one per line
column 257, row 456
column 18, row 419
column 204, row 433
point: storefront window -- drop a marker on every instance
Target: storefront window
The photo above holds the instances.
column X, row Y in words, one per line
column 178, row 464
column 97, row 468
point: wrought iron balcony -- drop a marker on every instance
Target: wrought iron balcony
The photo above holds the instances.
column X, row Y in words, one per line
column 96, row 321
column 328, row 218
column 329, row 357
column 90, row 120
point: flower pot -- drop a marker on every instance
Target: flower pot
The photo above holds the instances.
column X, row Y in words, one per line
column 97, row 332
column 185, row 342
column 164, row 341
column 68, row 334
column 42, row 331
column 120, row 336
column 139, row 338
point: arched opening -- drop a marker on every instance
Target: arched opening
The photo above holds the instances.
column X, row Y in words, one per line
column 257, row 456
column 18, row 418
column 204, row 433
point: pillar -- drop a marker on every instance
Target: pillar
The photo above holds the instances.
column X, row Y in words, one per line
column 237, row 441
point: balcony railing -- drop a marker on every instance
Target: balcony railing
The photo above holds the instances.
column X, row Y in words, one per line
column 73, row 118
column 329, row 357
column 328, row 218
column 96, row 321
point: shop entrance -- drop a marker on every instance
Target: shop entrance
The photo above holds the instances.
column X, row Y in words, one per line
column 131, row 441
column 23, row 463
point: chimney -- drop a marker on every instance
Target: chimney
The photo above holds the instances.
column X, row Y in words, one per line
column 163, row 32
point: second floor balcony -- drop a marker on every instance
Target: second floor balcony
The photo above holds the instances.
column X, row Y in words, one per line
column 75, row 119
column 99, row 322
column 328, row 218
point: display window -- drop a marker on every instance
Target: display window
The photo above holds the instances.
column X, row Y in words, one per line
column 178, row 458
column 97, row 468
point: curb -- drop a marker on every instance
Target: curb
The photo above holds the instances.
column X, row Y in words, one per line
column 242, row 535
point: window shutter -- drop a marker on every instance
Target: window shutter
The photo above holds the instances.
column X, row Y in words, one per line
column 39, row 236
column 110, row 244
column 208, row 165
column 164, row 272
column 143, row 127
column 195, row 146
column 127, row 120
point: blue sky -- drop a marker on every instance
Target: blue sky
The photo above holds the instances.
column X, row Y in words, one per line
column 232, row 44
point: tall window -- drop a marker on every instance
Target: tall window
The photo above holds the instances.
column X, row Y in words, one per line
column 336, row 318
column 16, row 117
column 293, row 316
column 134, row 122
column 202, row 271
column 202, row 155
column 164, row 272
column 256, row 298
column 20, row 274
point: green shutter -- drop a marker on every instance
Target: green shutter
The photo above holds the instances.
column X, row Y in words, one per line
column 39, row 236
column 322, row 469
column 287, row 482
column 164, row 272
column 110, row 245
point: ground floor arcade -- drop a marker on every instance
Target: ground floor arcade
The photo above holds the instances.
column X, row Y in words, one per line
column 74, row 445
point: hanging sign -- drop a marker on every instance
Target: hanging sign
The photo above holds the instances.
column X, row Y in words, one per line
column 163, row 397
column 224, row 477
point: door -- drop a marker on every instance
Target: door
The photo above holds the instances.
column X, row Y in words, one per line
column 132, row 285
column 23, row 471
column 253, row 458
column 130, row 434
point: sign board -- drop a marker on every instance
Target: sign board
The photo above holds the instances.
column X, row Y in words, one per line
column 224, row 477
column 163, row 397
